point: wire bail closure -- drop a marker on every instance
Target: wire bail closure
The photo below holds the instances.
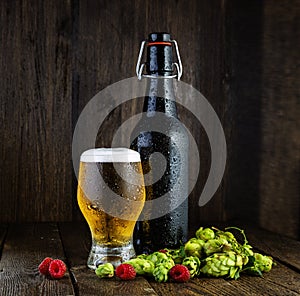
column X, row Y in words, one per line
column 140, row 66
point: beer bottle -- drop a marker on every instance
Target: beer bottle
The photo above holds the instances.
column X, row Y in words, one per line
column 160, row 130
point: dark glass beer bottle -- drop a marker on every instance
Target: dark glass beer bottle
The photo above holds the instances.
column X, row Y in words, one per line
column 159, row 130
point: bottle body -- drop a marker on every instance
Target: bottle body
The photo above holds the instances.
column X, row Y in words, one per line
column 169, row 230
column 160, row 131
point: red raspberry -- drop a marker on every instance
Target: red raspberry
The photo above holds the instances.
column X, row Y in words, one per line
column 125, row 272
column 44, row 266
column 57, row 269
column 180, row 273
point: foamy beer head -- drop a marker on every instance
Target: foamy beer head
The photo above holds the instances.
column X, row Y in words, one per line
column 110, row 155
column 111, row 193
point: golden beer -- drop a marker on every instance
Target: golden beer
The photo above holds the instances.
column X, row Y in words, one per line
column 111, row 196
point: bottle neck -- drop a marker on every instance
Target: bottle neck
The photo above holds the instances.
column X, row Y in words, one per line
column 160, row 91
column 159, row 59
column 160, row 97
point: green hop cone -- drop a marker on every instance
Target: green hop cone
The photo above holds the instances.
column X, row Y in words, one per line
column 258, row 264
column 105, row 270
column 226, row 240
column 160, row 273
column 142, row 266
column 158, row 258
column 177, row 254
column 205, row 234
column 243, row 249
column 142, row 256
column 223, row 264
column 194, row 247
column 264, row 262
column 247, row 250
column 193, row 265
column 214, row 246
column 163, row 263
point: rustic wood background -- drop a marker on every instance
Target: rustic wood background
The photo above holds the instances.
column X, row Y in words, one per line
column 242, row 55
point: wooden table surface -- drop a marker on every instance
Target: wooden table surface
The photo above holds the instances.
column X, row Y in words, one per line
column 22, row 248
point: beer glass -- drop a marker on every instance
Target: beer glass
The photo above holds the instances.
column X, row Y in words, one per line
column 111, row 196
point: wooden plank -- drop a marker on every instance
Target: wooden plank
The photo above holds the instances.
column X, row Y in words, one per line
column 284, row 277
column 204, row 57
column 25, row 247
column 100, row 42
column 280, row 247
column 279, row 281
column 35, row 111
column 76, row 241
column 244, row 31
column 198, row 286
column 89, row 284
column 182, row 289
column 264, row 168
column 280, row 147
column 3, row 232
column 219, row 286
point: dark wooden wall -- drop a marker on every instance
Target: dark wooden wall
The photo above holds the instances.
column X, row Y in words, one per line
column 265, row 94
column 56, row 55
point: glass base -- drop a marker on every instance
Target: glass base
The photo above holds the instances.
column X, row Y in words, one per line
column 101, row 254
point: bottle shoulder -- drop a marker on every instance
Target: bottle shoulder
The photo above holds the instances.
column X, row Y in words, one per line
column 147, row 134
column 159, row 121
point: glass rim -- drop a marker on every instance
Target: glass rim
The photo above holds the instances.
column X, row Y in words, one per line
column 115, row 154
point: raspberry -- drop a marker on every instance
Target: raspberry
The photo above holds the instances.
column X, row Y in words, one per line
column 57, row 269
column 44, row 266
column 180, row 273
column 125, row 272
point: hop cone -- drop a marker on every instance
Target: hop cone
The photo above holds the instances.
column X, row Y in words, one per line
column 205, row 234
column 260, row 263
column 176, row 254
column 160, row 273
column 105, row 270
column 194, row 247
column 161, row 270
column 141, row 266
column 223, row 264
column 193, row 265
column 142, row 256
column 264, row 262
column 215, row 246
column 242, row 249
column 157, row 257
